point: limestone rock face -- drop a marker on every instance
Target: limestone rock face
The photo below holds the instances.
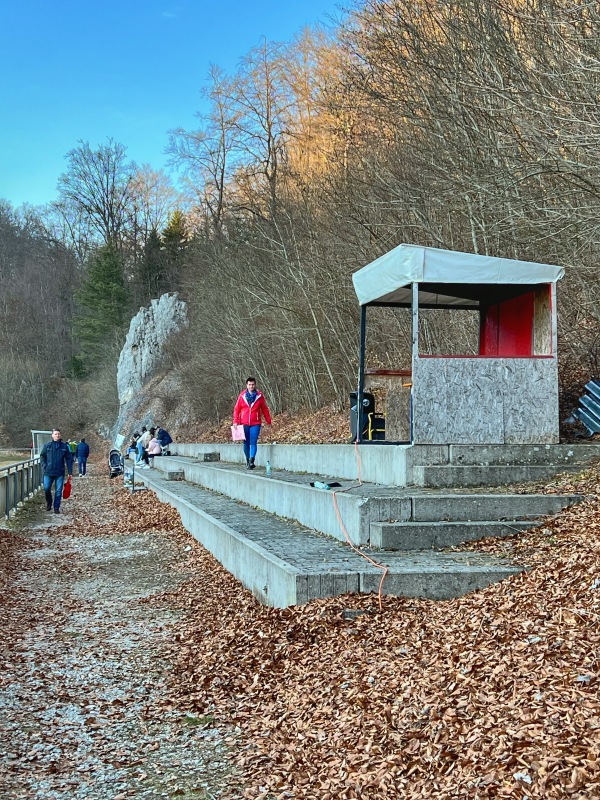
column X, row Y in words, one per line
column 147, row 389
column 142, row 352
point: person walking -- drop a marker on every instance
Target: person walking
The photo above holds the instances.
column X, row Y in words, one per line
column 55, row 456
column 82, row 453
column 249, row 409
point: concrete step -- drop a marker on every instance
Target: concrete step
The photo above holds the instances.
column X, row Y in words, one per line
column 351, row 510
column 555, row 455
column 283, row 563
column 438, row 535
column 468, row 475
column 290, row 495
column 393, row 464
column 487, row 507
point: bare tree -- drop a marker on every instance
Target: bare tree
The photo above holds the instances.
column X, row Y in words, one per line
column 38, row 275
column 208, row 156
column 152, row 199
column 98, row 184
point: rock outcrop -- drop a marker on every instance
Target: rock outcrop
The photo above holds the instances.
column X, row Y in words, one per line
column 146, row 385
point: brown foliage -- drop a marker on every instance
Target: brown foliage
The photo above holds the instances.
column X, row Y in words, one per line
column 325, row 426
column 491, row 695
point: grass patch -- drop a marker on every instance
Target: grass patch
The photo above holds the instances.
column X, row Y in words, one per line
column 8, row 458
column 195, row 722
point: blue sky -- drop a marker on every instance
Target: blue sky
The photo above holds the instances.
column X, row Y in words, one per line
column 130, row 70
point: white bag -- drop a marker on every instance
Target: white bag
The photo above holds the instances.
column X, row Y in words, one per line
column 237, row 433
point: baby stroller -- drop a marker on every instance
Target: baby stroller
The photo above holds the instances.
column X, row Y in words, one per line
column 115, row 464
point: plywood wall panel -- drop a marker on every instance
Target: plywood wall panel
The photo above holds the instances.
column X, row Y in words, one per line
column 530, row 400
column 484, row 401
column 542, row 322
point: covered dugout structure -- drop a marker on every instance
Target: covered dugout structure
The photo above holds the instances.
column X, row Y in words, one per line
column 508, row 391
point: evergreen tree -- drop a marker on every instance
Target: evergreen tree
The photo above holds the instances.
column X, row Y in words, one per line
column 152, row 276
column 175, row 241
column 104, row 307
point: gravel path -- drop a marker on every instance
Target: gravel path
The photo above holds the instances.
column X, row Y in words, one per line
column 84, row 627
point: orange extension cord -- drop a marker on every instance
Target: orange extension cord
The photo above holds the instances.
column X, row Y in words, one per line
column 345, row 532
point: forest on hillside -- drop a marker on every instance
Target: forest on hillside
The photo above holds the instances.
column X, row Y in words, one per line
column 471, row 125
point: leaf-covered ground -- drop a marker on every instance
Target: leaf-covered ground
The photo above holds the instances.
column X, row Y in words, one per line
column 492, row 695
column 83, row 655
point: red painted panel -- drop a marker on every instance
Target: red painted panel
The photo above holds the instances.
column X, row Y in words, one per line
column 507, row 328
column 515, row 334
column 488, row 335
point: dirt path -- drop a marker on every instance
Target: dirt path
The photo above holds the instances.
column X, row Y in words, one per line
column 82, row 658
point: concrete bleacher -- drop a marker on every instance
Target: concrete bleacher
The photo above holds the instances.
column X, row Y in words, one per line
column 290, row 543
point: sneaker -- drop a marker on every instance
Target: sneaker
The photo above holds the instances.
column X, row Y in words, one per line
column 48, row 507
column 146, row 466
column 57, row 510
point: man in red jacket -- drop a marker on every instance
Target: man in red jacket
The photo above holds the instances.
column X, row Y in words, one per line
column 251, row 406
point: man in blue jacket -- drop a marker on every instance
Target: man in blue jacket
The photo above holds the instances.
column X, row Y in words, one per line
column 163, row 437
column 82, row 452
column 55, row 456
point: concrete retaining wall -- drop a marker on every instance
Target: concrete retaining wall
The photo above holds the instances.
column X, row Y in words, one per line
column 550, row 454
column 404, row 465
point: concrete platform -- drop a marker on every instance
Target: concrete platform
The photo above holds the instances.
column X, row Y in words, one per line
column 283, row 563
column 289, row 542
column 290, row 495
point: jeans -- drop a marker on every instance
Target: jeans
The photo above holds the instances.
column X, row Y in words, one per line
column 252, row 432
column 48, row 481
column 82, row 465
column 140, row 451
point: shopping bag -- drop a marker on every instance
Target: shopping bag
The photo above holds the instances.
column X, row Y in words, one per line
column 237, row 433
column 67, row 489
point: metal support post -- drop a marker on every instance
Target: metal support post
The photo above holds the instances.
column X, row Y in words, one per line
column 361, row 375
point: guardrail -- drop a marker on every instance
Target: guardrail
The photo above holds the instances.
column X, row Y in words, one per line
column 18, row 482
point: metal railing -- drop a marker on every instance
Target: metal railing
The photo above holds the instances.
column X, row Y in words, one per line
column 18, row 482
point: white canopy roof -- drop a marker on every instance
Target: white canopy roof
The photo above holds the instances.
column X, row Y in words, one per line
column 388, row 279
